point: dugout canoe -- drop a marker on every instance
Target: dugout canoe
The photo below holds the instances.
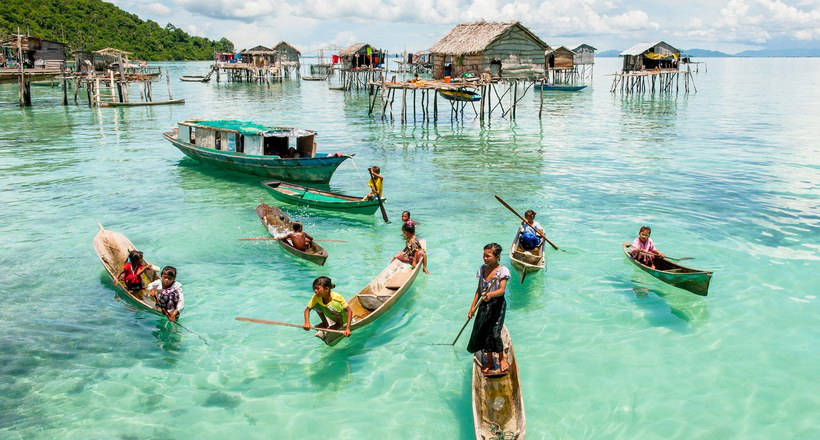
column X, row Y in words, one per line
column 527, row 261
column 279, row 224
column 112, row 248
column 560, row 87
column 195, row 78
column 315, row 198
column 682, row 277
column 460, row 95
column 378, row 296
column 498, row 405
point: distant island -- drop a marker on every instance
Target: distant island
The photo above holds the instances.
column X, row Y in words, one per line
column 705, row 53
column 95, row 24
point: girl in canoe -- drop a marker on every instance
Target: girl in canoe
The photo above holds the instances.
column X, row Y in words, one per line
column 328, row 303
column 643, row 248
column 412, row 253
column 131, row 273
column 405, row 218
column 486, row 335
column 376, row 183
column 167, row 293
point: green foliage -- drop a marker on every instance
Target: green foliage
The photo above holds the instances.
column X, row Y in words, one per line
column 94, row 25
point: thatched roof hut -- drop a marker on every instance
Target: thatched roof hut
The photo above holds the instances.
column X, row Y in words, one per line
column 260, row 56
column 646, row 56
column 488, row 47
column 361, row 55
column 286, row 52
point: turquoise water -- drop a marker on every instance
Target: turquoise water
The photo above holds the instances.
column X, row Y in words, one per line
column 729, row 175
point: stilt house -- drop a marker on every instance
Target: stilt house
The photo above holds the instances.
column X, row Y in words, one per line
column 559, row 58
column 650, row 56
column 287, row 53
column 259, row 56
column 361, row 55
column 500, row 49
column 37, row 52
column 584, row 54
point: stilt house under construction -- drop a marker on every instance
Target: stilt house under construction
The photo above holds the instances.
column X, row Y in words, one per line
column 650, row 56
column 499, row 49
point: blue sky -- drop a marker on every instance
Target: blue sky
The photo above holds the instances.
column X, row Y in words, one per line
column 726, row 25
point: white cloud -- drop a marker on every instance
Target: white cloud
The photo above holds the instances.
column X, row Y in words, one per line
column 158, row 9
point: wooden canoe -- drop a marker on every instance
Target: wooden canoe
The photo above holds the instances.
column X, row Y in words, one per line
column 693, row 280
column 498, row 405
column 112, row 248
column 314, row 77
column 560, row 87
column 378, row 296
column 527, row 261
column 195, row 78
column 279, row 224
column 303, row 195
column 460, row 95
column 142, row 103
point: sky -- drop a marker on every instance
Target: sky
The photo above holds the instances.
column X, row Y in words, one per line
column 397, row 25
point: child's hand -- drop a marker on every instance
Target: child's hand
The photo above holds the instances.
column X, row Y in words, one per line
column 470, row 313
column 306, row 326
column 347, row 333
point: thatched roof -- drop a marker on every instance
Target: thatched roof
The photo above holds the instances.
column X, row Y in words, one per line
column 286, row 45
column 353, row 48
column 470, row 38
column 559, row 49
column 258, row 50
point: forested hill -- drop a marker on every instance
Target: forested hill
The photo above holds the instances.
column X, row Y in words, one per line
column 95, row 24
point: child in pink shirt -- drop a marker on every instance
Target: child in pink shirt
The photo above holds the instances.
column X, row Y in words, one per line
column 643, row 248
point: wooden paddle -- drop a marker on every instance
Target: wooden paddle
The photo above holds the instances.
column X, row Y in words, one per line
column 271, row 238
column 378, row 197
column 525, row 221
column 286, row 324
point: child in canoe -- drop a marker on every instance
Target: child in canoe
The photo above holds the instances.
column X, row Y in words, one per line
column 412, row 253
column 489, row 320
column 376, row 183
column 167, row 293
column 299, row 239
column 131, row 273
column 643, row 248
column 530, row 231
column 328, row 304
column 405, row 218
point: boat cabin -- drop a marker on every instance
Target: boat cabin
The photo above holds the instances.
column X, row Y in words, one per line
column 249, row 138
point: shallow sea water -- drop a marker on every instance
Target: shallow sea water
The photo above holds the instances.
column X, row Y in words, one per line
column 729, row 175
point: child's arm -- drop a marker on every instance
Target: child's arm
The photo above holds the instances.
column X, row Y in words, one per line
column 502, row 286
column 180, row 304
column 349, row 320
column 308, row 236
column 306, row 325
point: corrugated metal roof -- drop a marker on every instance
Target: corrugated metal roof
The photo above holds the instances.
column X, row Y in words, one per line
column 643, row 47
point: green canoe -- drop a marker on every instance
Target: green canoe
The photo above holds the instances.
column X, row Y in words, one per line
column 693, row 280
column 303, row 195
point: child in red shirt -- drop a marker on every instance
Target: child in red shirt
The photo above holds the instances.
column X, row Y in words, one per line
column 131, row 273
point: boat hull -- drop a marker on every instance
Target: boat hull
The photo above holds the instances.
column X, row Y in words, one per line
column 519, row 259
column 498, row 404
column 460, row 95
column 294, row 194
column 693, row 280
column 316, row 170
column 559, row 88
column 279, row 226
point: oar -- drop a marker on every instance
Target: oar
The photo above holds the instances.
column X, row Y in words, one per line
column 378, row 197
column 271, row 238
column 525, row 221
column 286, row 324
column 480, row 299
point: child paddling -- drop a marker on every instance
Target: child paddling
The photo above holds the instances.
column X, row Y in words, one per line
column 489, row 320
column 167, row 293
column 328, row 304
column 643, row 248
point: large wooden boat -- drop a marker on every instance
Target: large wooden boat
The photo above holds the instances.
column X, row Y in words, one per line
column 278, row 224
column 527, row 261
column 498, row 405
column 303, row 195
column 461, row 95
column 378, row 296
column 560, row 87
column 693, row 280
column 112, row 248
column 245, row 147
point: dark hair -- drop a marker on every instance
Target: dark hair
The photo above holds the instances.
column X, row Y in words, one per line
column 645, row 228
column 323, row 282
column 297, row 226
column 170, row 271
column 406, row 212
column 495, row 247
column 134, row 256
column 376, row 168
column 529, row 211
column 408, row 227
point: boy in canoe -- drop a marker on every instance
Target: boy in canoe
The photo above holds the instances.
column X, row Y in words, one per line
column 299, row 239
column 167, row 293
column 376, row 183
column 643, row 248
column 489, row 320
column 328, row 304
column 529, row 231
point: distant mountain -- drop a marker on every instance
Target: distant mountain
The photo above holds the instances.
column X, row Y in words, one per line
column 705, row 53
column 608, row 53
column 95, row 24
column 780, row 53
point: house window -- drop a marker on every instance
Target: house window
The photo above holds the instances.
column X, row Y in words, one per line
column 218, row 140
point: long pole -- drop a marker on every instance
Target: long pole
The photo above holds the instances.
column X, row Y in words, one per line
column 378, row 196
column 524, row 220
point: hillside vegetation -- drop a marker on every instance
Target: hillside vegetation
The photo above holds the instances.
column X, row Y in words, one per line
column 94, row 25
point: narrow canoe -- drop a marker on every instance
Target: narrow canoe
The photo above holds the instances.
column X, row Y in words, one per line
column 112, row 248
column 460, row 95
column 279, row 224
column 693, row 280
column 142, row 103
column 314, row 77
column 498, row 405
column 303, row 195
column 378, row 296
column 560, row 87
column 527, row 261
column 195, row 78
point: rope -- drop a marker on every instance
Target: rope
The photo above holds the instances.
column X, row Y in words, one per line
column 498, row 434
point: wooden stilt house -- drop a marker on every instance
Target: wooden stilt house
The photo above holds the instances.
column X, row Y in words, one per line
column 584, row 54
column 37, row 52
column 361, row 55
column 286, row 53
column 650, row 56
column 499, row 49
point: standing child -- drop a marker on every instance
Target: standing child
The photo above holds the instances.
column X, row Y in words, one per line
column 131, row 273
column 643, row 248
column 412, row 253
column 486, row 335
column 167, row 293
column 328, row 304
column 376, row 183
